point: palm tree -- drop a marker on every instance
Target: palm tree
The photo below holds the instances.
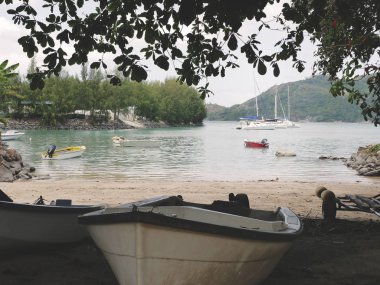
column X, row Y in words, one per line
column 7, row 86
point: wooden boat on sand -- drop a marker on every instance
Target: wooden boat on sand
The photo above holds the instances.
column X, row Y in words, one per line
column 24, row 225
column 169, row 241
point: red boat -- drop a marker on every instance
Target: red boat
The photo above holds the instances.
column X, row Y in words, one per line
column 263, row 144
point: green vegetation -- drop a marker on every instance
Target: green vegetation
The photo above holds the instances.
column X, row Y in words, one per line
column 8, row 86
column 309, row 100
column 170, row 101
column 374, row 148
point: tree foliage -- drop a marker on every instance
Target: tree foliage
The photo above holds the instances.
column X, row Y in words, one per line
column 202, row 38
column 347, row 36
column 7, row 75
column 64, row 94
column 8, row 86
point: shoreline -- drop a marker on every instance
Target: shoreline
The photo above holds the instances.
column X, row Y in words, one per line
column 297, row 195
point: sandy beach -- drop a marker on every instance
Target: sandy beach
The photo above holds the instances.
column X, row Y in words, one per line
column 345, row 252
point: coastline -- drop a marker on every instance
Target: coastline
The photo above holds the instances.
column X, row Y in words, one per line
column 345, row 252
column 297, row 195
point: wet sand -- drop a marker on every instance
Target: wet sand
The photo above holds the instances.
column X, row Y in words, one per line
column 344, row 252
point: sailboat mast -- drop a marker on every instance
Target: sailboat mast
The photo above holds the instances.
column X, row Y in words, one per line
column 275, row 104
column 254, row 91
column 257, row 108
column 288, row 105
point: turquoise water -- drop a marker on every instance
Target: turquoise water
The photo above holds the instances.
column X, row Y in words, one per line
column 213, row 152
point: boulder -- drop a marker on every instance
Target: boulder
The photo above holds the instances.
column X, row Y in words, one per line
column 375, row 172
column 363, row 170
column 11, row 166
column 285, row 153
column 366, row 161
column 6, row 175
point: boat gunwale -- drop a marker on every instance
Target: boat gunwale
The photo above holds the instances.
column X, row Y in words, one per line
column 173, row 222
column 79, row 209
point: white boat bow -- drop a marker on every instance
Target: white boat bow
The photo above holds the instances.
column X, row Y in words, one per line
column 11, row 135
column 168, row 241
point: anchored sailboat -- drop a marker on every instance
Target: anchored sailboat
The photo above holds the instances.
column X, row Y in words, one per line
column 253, row 122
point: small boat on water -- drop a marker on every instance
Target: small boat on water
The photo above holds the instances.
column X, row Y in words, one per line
column 11, row 135
column 257, row 125
column 63, row 153
column 262, row 144
column 166, row 240
column 122, row 141
column 24, row 225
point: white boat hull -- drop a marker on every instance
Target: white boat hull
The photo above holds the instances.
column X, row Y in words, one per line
column 11, row 135
column 26, row 225
column 169, row 241
column 141, row 254
column 258, row 127
column 63, row 154
column 120, row 141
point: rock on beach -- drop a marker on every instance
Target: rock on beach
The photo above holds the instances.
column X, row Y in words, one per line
column 12, row 166
column 366, row 161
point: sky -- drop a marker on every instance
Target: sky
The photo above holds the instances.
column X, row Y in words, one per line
column 238, row 86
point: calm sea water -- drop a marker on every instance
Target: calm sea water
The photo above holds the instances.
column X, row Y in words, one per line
column 214, row 151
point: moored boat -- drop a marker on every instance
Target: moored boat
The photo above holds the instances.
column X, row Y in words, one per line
column 63, row 153
column 255, row 144
column 257, row 125
column 11, row 135
column 24, row 225
column 167, row 240
column 122, row 141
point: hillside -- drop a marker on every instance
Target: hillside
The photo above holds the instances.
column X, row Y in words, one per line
column 309, row 100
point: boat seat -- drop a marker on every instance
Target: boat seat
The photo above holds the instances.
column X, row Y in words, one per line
column 230, row 207
column 63, row 202
column 4, row 197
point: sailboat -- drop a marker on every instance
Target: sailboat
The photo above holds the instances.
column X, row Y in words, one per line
column 281, row 123
column 254, row 123
column 287, row 122
column 257, row 124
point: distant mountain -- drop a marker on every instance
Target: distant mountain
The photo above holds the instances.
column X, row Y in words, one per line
column 310, row 100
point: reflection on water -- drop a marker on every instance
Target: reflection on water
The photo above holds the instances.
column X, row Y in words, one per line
column 213, row 152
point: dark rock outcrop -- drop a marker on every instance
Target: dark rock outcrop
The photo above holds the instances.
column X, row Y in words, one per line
column 69, row 124
column 324, row 157
column 12, row 166
column 366, row 161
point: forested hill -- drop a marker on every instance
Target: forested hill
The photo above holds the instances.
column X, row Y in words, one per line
column 309, row 100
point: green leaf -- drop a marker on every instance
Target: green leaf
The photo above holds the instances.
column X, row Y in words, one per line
column 119, row 59
column 37, row 82
column 276, row 70
column 162, row 62
column 95, row 65
column 267, row 58
column 4, row 64
column 262, row 69
column 138, row 73
column 80, row 3
column 232, row 42
column 103, row 4
column 149, row 36
column 115, row 80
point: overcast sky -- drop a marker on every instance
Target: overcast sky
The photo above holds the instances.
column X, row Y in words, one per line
column 235, row 88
